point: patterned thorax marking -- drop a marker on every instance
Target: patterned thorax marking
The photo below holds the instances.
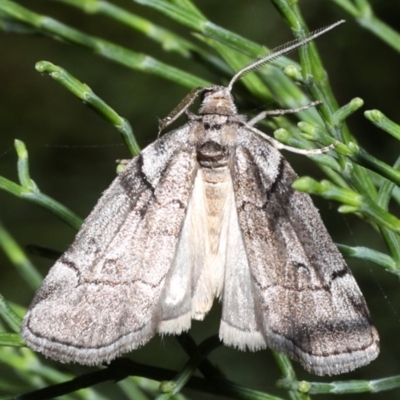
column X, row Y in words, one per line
column 217, row 100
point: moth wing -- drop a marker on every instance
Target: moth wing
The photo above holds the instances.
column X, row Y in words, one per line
column 179, row 300
column 102, row 297
column 197, row 275
column 239, row 326
column 308, row 304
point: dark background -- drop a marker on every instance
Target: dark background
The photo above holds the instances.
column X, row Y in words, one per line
column 73, row 151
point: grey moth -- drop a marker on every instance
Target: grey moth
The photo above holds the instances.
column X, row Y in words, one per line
column 206, row 211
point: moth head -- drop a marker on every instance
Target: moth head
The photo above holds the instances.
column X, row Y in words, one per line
column 217, row 100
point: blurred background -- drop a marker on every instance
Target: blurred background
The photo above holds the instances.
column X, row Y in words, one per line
column 72, row 151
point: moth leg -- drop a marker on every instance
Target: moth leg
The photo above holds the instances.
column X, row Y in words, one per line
column 267, row 113
column 179, row 109
column 122, row 164
column 123, row 161
column 280, row 146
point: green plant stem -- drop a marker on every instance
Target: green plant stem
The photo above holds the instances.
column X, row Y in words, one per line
column 385, row 193
column 361, row 157
column 25, row 268
column 366, row 254
column 316, row 80
column 353, row 201
column 11, row 340
column 181, row 379
column 131, row 390
column 314, row 75
column 118, row 54
column 167, row 39
column 348, row 109
column 29, row 191
column 381, row 121
column 272, row 85
column 227, row 43
column 386, row 189
column 236, row 61
column 342, row 387
column 8, row 315
column 85, row 93
column 285, row 365
column 352, row 151
column 122, row 368
column 327, row 163
column 194, row 19
column 392, row 241
column 49, row 204
column 364, row 15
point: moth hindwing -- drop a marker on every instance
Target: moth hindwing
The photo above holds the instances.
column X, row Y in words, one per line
column 207, row 211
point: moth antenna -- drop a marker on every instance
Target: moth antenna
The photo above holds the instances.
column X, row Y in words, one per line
column 280, row 51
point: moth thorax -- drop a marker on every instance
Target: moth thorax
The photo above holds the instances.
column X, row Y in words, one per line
column 217, row 100
column 212, row 155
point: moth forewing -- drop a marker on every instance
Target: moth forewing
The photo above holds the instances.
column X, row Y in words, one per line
column 308, row 303
column 102, row 297
column 207, row 211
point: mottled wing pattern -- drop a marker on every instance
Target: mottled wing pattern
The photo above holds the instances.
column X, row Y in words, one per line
column 118, row 262
column 308, row 304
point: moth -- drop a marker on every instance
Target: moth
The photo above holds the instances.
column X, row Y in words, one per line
column 207, row 211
